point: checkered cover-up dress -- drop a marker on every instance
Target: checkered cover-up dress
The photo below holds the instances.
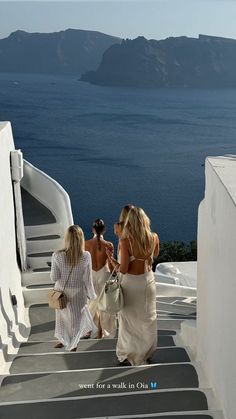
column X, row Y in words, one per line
column 75, row 320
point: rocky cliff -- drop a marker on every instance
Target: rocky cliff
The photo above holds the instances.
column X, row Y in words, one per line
column 66, row 52
column 206, row 61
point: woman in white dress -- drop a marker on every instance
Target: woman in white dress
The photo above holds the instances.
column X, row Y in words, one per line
column 97, row 247
column 137, row 338
column 73, row 262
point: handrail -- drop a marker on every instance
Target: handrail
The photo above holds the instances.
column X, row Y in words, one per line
column 49, row 192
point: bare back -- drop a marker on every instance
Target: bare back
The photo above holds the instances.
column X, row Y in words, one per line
column 99, row 256
column 132, row 261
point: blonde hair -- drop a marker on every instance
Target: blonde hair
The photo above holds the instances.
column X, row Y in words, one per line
column 125, row 212
column 74, row 244
column 137, row 228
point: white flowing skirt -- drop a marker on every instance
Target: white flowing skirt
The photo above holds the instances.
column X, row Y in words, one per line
column 74, row 321
column 107, row 321
column 137, row 338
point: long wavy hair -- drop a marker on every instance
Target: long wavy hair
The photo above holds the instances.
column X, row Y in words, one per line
column 125, row 212
column 137, row 228
column 74, row 244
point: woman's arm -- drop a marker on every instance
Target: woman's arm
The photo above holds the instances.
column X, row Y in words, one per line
column 55, row 274
column 88, row 278
column 124, row 256
column 110, row 255
column 156, row 245
column 112, row 262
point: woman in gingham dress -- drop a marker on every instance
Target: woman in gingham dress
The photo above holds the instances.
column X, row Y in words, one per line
column 74, row 262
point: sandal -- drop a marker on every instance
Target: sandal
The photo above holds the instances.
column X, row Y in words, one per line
column 59, row 345
column 124, row 363
column 87, row 336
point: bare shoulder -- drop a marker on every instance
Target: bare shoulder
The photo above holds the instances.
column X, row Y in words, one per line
column 156, row 237
column 88, row 244
column 109, row 245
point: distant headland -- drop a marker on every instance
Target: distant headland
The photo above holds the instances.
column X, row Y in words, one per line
column 206, row 61
column 72, row 51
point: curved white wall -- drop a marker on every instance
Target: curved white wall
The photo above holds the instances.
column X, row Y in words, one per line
column 216, row 292
column 49, row 192
column 12, row 318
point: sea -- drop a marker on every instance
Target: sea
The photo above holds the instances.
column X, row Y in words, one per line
column 110, row 146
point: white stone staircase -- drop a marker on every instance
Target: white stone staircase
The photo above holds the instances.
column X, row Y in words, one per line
column 45, row 382
column 44, row 235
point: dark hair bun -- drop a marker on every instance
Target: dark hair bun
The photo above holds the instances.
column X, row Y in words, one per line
column 99, row 227
column 99, row 224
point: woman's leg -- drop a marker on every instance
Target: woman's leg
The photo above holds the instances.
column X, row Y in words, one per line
column 99, row 335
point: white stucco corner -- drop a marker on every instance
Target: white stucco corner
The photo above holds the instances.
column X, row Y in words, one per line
column 13, row 319
column 216, row 277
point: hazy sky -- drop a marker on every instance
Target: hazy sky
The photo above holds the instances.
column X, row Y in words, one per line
column 125, row 18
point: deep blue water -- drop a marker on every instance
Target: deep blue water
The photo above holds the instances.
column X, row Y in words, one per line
column 112, row 146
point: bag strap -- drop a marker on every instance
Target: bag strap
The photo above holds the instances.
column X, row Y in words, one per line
column 112, row 275
column 67, row 280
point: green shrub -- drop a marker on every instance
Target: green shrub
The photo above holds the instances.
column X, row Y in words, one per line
column 176, row 251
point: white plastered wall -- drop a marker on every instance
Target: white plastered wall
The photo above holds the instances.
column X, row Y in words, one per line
column 13, row 319
column 216, row 293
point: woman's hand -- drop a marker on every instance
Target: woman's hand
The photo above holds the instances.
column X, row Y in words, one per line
column 113, row 262
column 109, row 253
column 118, row 229
column 117, row 267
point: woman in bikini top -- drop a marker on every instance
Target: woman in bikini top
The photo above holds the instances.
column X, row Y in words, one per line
column 132, row 258
column 137, row 336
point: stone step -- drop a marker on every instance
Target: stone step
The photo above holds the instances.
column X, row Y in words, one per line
column 175, row 308
column 87, row 360
column 42, row 319
column 44, row 243
column 83, row 345
column 42, row 269
column 45, row 332
column 42, row 238
column 145, row 402
column 183, row 415
column 35, row 295
column 99, row 381
column 168, row 323
column 39, row 260
column 161, row 314
column 31, row 277
column 40, row 254
column 43, row 230
column 37, row 286
column 178, row 300
column 165, row 315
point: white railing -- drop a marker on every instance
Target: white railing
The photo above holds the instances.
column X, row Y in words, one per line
column 49, row 192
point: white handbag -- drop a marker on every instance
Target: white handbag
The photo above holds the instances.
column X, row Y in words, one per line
column 111, row 299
